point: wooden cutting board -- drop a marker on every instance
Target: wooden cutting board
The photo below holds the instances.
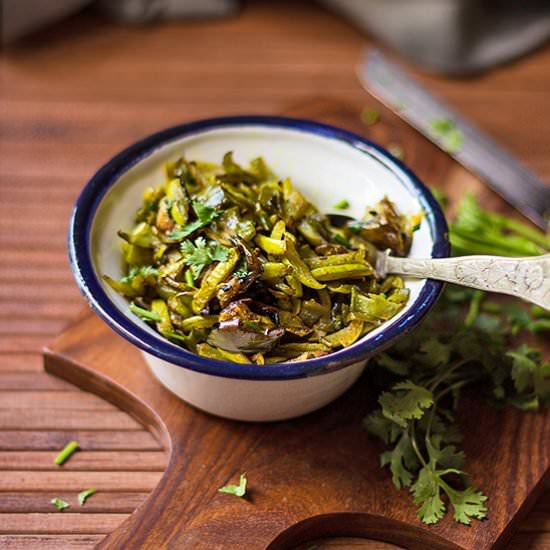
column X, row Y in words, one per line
column 318, row 475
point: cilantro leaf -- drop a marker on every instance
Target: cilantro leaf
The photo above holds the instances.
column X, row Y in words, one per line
column 201, row 254
column 446, row 456
column 237, row 490
column 524, row 364
column 60, row 504
column 135, row 271
column 241, row 271
column 205, row 214
column 394, row 365
column 530, row 372
column 518, row 317
column 427, row 493
column 468, row 503
column 402, row 461
column 218, row 253
column 434, row 352
column 380, row 426
column 406, row 401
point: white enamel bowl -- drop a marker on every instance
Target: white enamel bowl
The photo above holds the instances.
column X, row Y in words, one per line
column 327, row 164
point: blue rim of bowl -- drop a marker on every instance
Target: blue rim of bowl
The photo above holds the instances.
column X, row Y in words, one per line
column 81, row 260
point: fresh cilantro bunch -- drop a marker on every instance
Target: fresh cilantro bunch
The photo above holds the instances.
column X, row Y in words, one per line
column 466, row 341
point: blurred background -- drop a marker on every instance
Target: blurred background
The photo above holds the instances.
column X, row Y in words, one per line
column 81, row 79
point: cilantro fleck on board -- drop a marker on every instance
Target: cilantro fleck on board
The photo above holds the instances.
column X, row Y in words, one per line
column 237, row 490
column 448, row 134
column 60, row 504
column 370, row 116
column 84, row 495
column 66, row 453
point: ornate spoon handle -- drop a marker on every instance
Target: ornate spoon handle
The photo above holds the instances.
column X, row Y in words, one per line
column 527, row 278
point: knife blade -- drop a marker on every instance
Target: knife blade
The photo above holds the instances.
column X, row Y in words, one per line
column 479, row 153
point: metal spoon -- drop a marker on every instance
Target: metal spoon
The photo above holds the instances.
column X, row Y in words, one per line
column 527, row 278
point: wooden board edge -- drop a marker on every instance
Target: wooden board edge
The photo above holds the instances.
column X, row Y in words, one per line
column 361, row 525
column 89, row 380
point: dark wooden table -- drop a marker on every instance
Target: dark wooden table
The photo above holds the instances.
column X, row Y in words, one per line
column 70, row 98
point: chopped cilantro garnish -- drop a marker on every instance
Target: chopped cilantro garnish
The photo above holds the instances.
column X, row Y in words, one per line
column 205, row 215
column 241, row 270
column 450, row 136
column 342, row 205
column 66, row 452
column 144, row 270
column 370, row 116
column 201, row 254
column 59, row 504
column 237, row 490
column 83, row 496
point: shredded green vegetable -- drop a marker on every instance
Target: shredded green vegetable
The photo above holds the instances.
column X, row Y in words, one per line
column 236, row 264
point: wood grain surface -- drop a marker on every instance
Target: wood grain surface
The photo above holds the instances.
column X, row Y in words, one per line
column 74, row 95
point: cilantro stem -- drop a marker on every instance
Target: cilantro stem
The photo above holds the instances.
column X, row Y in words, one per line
column 440, row 395
column 66, row 452
column 538, row 311
column 473, row 311
column 430, row 423
column 539, row 325
column 534, row 235
column 414, row 444
column 83, row 496
column 456, row 385
column 491, row 307
column 478, row 241
column 462, row 246
column 452, row 367
column 143, row 313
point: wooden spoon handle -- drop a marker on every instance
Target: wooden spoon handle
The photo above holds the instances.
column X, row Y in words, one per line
column 527, row 278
